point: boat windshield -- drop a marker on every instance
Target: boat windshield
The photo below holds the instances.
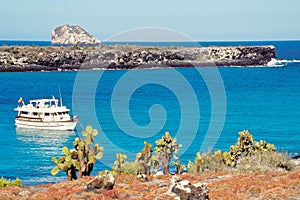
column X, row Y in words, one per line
column 44, row 103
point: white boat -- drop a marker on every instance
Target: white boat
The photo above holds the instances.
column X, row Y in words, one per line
column 44, row 114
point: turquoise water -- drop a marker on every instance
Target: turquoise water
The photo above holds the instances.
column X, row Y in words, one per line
column 129, row 107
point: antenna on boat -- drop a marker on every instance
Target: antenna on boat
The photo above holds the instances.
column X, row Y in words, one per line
column 60, row 96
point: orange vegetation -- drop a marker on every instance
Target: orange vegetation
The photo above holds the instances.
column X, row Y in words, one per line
column 222, row 185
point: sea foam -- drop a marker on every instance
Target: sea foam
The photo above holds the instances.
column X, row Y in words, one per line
column 281, row 63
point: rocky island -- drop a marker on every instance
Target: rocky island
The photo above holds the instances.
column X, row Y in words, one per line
column 51, row 58
column 79, row 50
column 72, row 35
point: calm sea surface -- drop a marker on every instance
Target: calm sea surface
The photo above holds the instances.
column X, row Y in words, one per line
column 199, row 106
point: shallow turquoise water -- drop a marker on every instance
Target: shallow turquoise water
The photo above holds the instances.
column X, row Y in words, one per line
column 129, row 107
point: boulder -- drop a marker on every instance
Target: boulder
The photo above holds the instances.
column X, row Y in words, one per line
column 101, row 183
column 184, row 190
column 296, row 160
column 72, row 35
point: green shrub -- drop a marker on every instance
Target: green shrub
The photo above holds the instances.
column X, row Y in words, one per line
column 214, row 162
column 264, row 162
column 129, row 168
column 196, row 166
column 207, row 163
column 246, row 146
column 6, row 183
column 247, row 155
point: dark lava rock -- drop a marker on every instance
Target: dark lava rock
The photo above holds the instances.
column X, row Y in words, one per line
column 129, row 57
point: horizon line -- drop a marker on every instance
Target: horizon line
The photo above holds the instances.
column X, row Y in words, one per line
column 105, row 41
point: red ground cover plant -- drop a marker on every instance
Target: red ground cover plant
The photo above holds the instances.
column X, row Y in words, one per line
column 222, row 185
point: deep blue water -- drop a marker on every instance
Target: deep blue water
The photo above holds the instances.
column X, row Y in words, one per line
column 129, row 107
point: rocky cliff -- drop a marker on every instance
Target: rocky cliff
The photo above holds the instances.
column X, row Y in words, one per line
column 72, row 35
column 25, row 58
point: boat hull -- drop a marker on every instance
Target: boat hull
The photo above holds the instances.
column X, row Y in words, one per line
column 62, row 126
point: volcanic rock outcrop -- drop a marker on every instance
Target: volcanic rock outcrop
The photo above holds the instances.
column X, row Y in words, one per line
column 72, row 35
column 53, row 58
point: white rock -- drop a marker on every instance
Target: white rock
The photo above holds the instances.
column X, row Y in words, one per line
column 159, row 173
column 72, row 35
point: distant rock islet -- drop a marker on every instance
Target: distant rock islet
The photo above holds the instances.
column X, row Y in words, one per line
column 72, row 35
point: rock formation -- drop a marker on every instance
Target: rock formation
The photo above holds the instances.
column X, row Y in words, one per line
column 72, row 35
column 101, row 183
column 183, row 189
column 53, row 58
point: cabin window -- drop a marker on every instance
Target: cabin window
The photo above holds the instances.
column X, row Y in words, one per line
column 24, row 113
column 35, row 113
column 47, row 114
column 59, row 113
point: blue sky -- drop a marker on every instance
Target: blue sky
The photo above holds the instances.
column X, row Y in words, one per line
column 212, row 20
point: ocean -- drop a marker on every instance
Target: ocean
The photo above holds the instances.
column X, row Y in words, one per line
column 204, row 108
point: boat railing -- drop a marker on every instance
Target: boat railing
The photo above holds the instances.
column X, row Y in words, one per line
column 29, row 119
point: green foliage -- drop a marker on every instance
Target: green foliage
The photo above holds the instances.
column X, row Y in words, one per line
column 264, row 162
column 129, row 168
column 125, row 168
column 246, row 154
column 166, row 149
column 232, row 156
column 263, row 146
column 179, row 167
column 81, row 158
column 119, row 162
column 197, row 164
column 6, row 183
column 214, row 162
column 245, row 143
column 245, row 146
column 9, row 63
column 207, row 163
column 145, row 160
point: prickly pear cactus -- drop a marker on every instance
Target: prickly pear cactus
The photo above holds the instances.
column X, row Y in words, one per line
column 198, row 162
column 145, row 160
column 196, row 166
column 245, row 142
column 119, row 162
column 263, row 146
column 179, row 167
column 245, row 146
column 81, row 158
column 165, row 149
column 68, row 162
column 6, row 183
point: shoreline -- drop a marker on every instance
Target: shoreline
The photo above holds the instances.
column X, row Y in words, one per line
column 112, row 57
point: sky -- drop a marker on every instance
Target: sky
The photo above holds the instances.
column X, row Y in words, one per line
column 210, row 20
